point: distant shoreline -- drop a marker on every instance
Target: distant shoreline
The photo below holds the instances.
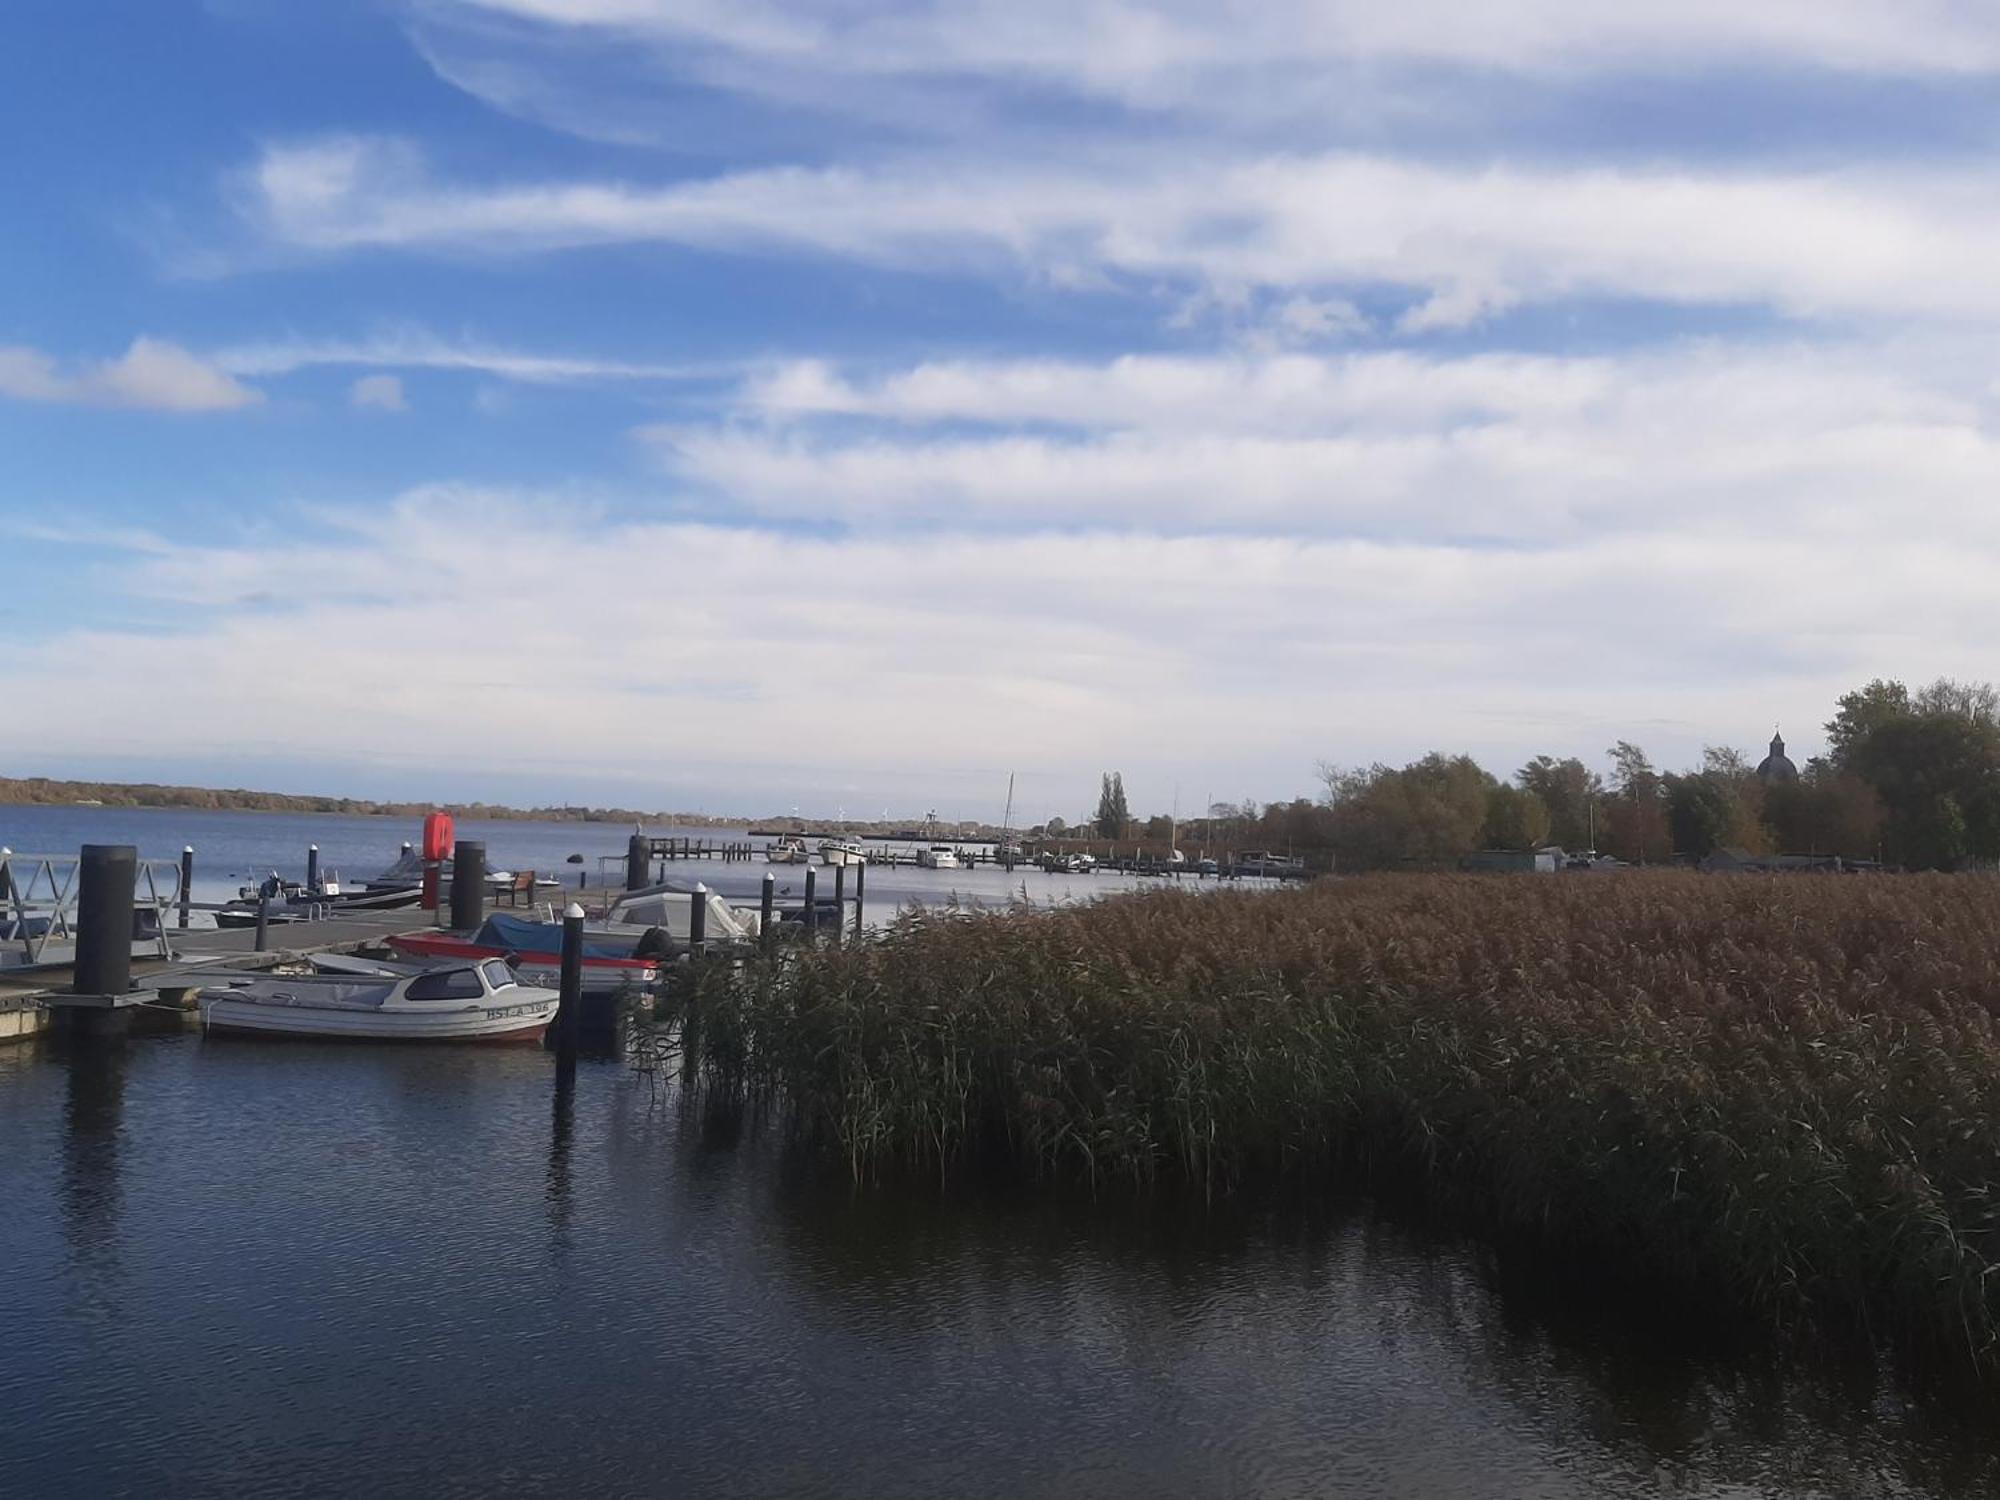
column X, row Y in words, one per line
column 42, row 791
column 36, row 791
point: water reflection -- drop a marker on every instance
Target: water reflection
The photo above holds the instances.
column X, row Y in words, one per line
column 93, row 1120
column 362, row 1227
column 1306, row 1335
column 561, row 1130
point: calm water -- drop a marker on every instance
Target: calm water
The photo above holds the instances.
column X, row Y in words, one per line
column 244, row 1268
column 234, row 848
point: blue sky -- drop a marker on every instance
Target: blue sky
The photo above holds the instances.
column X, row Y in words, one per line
column 751, row 405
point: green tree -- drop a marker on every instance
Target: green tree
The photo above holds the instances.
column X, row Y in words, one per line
column 1859, row 713
column 1933, row 760
column 1112, row 812
column 1432, row 811
column 1570, row 791
column 1826, row 811
column 1515, row 819
column 1704, row 814
column 1634, row 824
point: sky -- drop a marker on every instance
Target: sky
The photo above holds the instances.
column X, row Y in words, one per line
column 847, row 406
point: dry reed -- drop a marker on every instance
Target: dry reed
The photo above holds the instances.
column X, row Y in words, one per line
column 1785, row 1089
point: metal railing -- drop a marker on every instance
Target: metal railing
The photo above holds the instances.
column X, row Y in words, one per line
column 38, row 897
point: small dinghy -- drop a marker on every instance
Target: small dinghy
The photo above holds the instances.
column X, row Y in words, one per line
column 473, row 1002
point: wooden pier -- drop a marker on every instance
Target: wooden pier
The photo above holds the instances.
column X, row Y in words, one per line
column 104, row 939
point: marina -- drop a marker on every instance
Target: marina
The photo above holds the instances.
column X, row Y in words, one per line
column 296, row 1118
column 190, row 916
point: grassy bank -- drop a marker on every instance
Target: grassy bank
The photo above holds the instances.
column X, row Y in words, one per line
column 1783, row 1090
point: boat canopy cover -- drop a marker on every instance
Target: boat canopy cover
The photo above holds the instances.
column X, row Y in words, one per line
column 668, row 907
column 521, row 935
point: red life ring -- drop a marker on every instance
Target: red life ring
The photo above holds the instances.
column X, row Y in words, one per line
column 437, row 836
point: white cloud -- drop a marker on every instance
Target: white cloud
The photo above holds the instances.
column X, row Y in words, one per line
column 1160, row 52
column 152, row 374
column 1460, row 241
column 378, row 393
column 1507, row 449
column 1072, row 652
column 419, row 349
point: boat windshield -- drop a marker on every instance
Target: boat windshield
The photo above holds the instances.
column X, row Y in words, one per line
column 498, row 975
column 444, row 984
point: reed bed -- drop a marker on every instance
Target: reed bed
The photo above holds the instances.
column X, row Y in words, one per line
column 1785, row 1090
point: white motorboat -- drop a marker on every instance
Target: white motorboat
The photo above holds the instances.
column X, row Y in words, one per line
column 842, row 852
column 670, row 908
column 470, row 1002
column 940, row 857
column 790, row 849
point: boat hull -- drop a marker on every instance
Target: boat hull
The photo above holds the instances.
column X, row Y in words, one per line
column 518, row 1023
column 601, row 976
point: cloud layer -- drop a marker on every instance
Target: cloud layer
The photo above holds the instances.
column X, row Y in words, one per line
column 1454, row 244
column 151, row 374
column 1070, row 652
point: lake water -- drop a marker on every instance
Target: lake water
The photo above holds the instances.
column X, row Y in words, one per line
column 248, row 1268
column 237, row 848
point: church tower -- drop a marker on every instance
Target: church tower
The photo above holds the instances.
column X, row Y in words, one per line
column 1777, row 766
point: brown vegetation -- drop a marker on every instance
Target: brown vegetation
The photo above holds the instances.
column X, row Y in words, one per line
column 1781, row 1092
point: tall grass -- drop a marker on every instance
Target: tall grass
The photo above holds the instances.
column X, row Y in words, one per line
column 1787, row 1090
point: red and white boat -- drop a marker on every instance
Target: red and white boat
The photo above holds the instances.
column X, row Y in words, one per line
column 610, row 961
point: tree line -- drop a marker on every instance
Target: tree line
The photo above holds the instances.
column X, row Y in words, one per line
column 1910, row 777
column 42, row 791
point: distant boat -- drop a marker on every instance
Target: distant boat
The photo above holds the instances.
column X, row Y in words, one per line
column 790, row 849
column 291, row 901
column 939, row 857
column 842, row 852
column 1270, row 866
column 474, row 1002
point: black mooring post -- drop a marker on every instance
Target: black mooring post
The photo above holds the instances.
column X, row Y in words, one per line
column 860, row 890
column 6, row 874
column 767, row 933
column 187, row 881
column 468, row 885
column 839, row 901
column 636, row 860
column 698, row 919
column 812, row 904
column 569, row 994
column 105, row 875
column 312, row 869
column 263, row 919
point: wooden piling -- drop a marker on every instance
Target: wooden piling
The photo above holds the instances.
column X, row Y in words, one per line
column 860, row 887
column 767, row 931
column 839, row 902
column 812, row 905
column 187, row 881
